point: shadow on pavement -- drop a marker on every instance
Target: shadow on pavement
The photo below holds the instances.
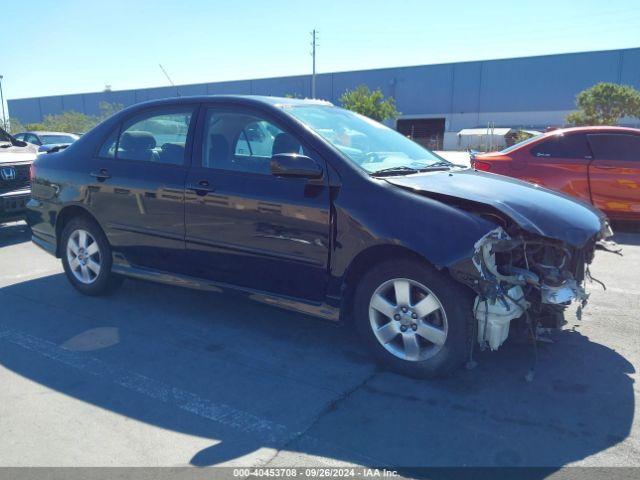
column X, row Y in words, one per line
column 14, row 233
column 248, row 376
column 626, row 233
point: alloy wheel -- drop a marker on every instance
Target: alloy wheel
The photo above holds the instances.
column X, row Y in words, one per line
column 408, row 319
column 83, row 256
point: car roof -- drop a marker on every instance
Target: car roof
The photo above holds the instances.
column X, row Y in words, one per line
column 593, row 129
column 39, row 132
column 247, row 99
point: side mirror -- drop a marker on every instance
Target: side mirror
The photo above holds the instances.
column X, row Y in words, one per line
column 294, row 165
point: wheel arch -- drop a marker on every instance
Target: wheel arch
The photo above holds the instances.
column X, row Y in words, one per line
column 65, row 215
column 364, row 261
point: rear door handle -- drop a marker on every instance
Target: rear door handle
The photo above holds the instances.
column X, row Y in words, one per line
column 102, row 175
column 605, row 167
column 201, row 188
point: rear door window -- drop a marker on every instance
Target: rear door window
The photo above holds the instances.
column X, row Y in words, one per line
column 29, row 137
column 610, row 146
column 564, row 146
column 108, row 148
column 156, row 136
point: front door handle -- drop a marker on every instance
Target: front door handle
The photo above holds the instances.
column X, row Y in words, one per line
column 605, row 167
column 201, row 188
column 101, row 175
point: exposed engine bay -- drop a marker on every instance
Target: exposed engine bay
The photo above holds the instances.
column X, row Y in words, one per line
column 529, row 264
column 523, row 276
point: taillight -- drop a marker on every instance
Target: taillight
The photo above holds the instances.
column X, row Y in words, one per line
column 32, row 172
column 480, row 165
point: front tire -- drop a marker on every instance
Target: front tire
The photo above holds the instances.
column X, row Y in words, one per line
column 86, row 257
column 415, row 320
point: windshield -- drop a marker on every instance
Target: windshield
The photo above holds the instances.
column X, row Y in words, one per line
column 520, row 144
column 55, row 139
column 369, row 144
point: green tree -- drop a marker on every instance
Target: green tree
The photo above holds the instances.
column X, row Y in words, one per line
column 70, row 121
column 605, row 104
column 107, row 109
column 521, row 136
column 15, row 126
column 66, row 122
column 370, row 103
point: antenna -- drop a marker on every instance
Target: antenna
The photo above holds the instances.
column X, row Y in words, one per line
column 314, row 44
column 169, row 78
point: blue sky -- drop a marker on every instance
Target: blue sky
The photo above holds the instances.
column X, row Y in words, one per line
column 70, row 46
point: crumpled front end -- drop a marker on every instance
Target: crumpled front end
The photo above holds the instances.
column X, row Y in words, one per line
column 515, row 275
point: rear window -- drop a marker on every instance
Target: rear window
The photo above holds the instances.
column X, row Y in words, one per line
column 518, row 145
column 609, row 146
column 564, row 146
column 55, row 139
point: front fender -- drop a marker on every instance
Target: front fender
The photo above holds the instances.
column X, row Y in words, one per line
column 440, row 233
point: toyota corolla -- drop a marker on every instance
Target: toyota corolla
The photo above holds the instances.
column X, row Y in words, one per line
column 309, row 207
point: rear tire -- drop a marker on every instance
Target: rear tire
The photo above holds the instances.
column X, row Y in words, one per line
column 86, row 257
column 415, row 320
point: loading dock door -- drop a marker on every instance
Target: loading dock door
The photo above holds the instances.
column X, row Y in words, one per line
column 428, row 132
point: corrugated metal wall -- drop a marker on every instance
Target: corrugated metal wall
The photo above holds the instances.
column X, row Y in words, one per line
column 529, row 91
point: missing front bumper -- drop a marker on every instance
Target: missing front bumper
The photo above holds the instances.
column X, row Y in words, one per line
column 514, row 274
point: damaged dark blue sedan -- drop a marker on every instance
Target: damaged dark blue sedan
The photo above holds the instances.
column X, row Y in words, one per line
column 309, row 207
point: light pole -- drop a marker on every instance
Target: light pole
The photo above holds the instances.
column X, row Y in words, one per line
column 314, row 41
column 4, row 118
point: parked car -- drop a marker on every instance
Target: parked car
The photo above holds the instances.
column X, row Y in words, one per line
column 600, row 165
column 16, row 158
column 421, row 257
column 47, row 141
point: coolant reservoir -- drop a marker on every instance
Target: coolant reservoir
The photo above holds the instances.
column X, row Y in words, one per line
column 498, row 314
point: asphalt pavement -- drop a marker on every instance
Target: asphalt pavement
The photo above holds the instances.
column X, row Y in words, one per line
column 160, row 376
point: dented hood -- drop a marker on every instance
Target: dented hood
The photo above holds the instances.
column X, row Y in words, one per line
column 535, row 209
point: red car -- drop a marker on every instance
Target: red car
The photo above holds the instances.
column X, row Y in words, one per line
column 600, row 165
